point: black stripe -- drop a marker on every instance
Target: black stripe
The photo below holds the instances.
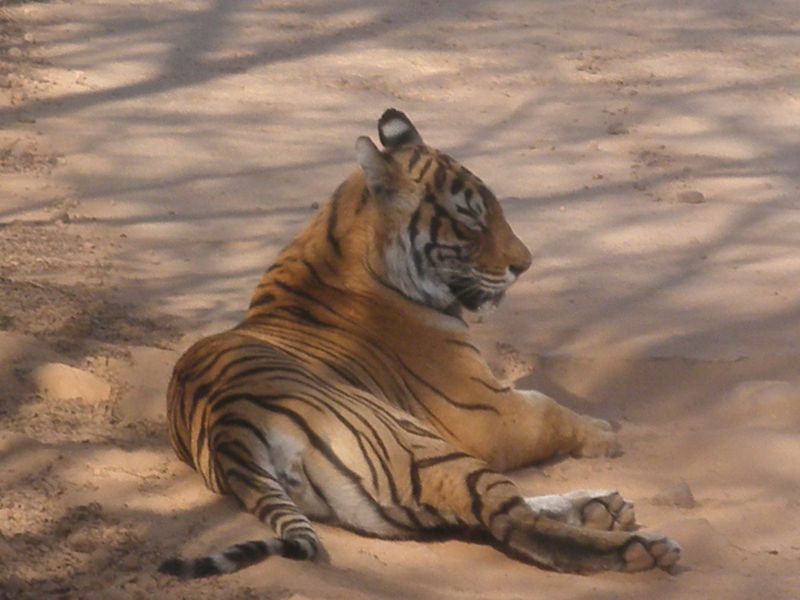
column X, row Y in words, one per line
column 414, row 157
column 246, row 554
column 267, row 497
column 506, row 507
column 301, row 314
column 213, row 354
column 233, row 421
column 261, row 353
column 466, row 212
column 468, row 197
column 267, row 513
column 496, row 483
column 486, row 384
column 436, row 224
column 306, row 296
column 437, row 460
column 425, row 167
column 439, row 175
column 485, row 193
column 306, row 533
column 294, row 550
column 259, row 400
column 445, row 251
column 413, row 232
column 472, row 483
column 414, row 429
column 276, row 512
column 365, row 196
column 444, row 396
column 332, row 217
column 416, row 466
column 478, row 208
column 231, row 474
column 463, row 344
column 273, row 504
column 232, row 447
column 314, row 272
column 183, row 450
column 315, row 486
column 205, row 567
column 264, row 298
column 413, row 226
column 291, row 524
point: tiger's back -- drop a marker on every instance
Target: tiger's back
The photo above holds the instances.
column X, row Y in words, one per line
column 351, row 392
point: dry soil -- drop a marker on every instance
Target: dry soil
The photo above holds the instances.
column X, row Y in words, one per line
column 154, row 156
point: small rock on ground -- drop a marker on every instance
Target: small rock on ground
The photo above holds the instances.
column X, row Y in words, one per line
column 678, row 494
column 57, row 381
column 691, row 197
column 617, row 128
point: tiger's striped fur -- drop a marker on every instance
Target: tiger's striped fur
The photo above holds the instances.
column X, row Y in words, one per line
column 351, row 392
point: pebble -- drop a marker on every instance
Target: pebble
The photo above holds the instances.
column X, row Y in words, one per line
column 14, row 52
column 81, row 541
column 129, row 562
column 57, row 381
column 678, row 494
column 691, row 197
column 617, row 128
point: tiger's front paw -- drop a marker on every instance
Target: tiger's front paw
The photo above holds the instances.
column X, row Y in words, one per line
column 649, row 551
column 598, row 439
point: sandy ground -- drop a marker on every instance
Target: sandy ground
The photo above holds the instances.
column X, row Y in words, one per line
column 155, row 155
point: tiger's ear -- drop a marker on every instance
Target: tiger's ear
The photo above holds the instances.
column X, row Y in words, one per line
column 396, row 129
column 377, row 167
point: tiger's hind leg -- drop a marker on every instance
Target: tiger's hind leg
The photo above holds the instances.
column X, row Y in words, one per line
column 254, row 482
column 596, row 509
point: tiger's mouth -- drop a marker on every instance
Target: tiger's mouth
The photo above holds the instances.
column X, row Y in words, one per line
column 473, row 296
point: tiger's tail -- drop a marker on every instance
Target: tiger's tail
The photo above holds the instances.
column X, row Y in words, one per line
column 260, row 491
column 240, row 556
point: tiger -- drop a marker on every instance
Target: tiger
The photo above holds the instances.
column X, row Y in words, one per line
column 352, row 394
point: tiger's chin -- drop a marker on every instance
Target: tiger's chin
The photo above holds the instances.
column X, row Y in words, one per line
column 477, row 300
column 488, row 305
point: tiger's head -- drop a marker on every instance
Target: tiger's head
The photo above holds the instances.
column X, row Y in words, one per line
column 442, row 235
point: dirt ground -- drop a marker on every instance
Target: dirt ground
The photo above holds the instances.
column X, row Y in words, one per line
column 155, row 155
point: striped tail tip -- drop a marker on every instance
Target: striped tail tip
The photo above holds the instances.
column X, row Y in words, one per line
column 239, row 557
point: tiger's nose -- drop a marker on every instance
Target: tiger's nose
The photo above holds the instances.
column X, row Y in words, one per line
column 521, row 261
column 518, row 270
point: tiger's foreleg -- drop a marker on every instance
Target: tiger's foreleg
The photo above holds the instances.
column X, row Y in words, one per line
column 482, row 498
column 530, row 427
